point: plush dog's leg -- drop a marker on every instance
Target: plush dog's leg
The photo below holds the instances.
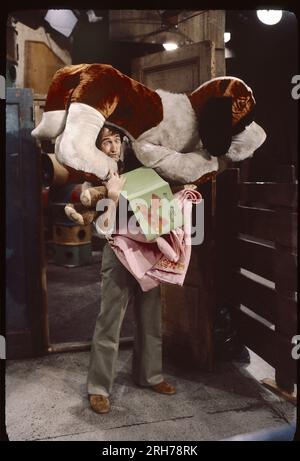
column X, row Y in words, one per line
column 79, row 214
column 192, row 166
column 175, row 166
column 89, row 197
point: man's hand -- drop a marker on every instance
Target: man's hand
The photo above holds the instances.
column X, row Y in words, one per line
column 114, row 185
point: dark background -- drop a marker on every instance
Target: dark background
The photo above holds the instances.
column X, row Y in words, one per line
column 266, row 57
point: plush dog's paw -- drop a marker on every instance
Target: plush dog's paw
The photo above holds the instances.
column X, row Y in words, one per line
column 73, row 215
column 89, row 197
column 85, row 198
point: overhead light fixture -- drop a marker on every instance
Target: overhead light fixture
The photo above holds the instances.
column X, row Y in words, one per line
column 173, row 38
column 169, row 46
column 92, row 16
column 62, row 20
column 227, row 37
column 269, row 17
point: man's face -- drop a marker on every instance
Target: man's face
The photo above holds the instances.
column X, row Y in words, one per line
column 110, row 144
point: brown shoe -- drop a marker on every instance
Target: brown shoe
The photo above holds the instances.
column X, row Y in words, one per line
column 99, row 403
column 164, row 388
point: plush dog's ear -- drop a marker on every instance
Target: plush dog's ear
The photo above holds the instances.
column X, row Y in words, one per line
column 215, row 125
column 245, row 121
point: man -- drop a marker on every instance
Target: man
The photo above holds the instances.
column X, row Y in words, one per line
column 118, row 289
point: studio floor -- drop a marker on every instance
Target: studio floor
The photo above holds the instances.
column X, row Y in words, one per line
column 46, row 399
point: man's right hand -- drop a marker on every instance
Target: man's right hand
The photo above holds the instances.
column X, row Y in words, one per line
column 114, row 185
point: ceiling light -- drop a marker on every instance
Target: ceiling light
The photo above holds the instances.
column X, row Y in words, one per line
column 169, row 46
column 61, row 20
column 269, row 17
column 227, row 37
column 92, row 16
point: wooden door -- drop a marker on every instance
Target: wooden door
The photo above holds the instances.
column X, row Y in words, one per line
column 188, row 311
column 181, row 70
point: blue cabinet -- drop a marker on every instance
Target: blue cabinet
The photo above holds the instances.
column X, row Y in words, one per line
column 24, row 297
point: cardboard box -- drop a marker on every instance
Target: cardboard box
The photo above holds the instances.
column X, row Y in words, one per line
column 151, row 199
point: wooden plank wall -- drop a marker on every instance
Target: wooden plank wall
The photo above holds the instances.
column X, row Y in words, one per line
column 258, row 239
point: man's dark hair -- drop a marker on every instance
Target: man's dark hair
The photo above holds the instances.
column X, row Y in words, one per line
column 112, row 129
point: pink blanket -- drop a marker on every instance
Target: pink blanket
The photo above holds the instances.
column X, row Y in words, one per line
column 165, row 259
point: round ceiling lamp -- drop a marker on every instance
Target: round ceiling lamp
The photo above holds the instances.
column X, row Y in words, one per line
column 269, row 17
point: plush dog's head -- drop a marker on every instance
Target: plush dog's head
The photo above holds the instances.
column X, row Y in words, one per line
column 224, row 106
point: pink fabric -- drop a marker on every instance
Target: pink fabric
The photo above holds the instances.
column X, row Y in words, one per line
column 165, row 259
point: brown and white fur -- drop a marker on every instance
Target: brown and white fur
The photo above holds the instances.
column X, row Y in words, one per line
column 162, row 125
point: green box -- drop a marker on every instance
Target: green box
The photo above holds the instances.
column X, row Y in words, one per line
column 152, row 202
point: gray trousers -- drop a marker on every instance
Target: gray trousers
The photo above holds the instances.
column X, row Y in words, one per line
column 118, row 289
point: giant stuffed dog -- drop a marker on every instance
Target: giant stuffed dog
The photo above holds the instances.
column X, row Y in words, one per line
column 183, row 137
